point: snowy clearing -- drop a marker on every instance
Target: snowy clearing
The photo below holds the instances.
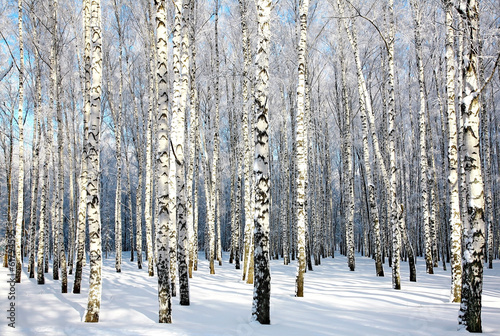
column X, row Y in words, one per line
column 336, row 302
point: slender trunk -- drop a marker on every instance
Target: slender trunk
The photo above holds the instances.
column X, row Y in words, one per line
column 93, row 192
column 247, row 152
column 424, row 183
column 82, row 207
column 20, row 122
column 36, row 162
column 181, row 72
column 301, row 151
column 118, row 148
column 43, row 221
column 191, row 201
column 148, row 204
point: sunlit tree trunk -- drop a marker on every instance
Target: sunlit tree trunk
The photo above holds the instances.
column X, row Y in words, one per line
column 162, row 234
column 36, row 160
column 424, row 196
column 93, row 192
column 191, row 201
column 118, row 147
column 181, row 73
column 43, row 221
column 20, row 188
column 247, row 149
column 82, row 206
column 262, row 276
column 285, row 184
column 301, row 137
column 148, row 197
column 474, row 227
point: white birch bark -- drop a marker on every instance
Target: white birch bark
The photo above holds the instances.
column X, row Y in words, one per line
column 82, row 206
column 60, row 213
column 181, row 70
column 191, row 201
column 424, row 197
column 36, row 158
column 148, row 204
column 93, row 192
column 474, row 228
column 247, row 152
column 43, row 222
column 20, row 185
column 301, row 137
column 162, row 234
column 397, row 227
column 262, row 275
column 118, row 147
column 285, row 184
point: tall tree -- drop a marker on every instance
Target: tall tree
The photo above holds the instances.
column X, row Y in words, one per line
column 474, row 228
column 162, row 234
column 181, row 72
column 82, row 206
column 118, row 146
column 93, row 189
column 454, row 200
column 424, row 183
column 262, row 276
column 301, row 137
column 20, row 122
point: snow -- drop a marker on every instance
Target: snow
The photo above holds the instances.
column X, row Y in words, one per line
column 336, row 302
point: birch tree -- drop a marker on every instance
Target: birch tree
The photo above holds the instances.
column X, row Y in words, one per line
column 247, row 140
column 181, row 72
column 36, row 155
column 454, row 200
column 82, row 205
column 162, row 234
column 93, row 192
column 262, row 276
column 417, row 18
column 301, row 137
column 118, row 147
column 474, row 228
column 20, row 185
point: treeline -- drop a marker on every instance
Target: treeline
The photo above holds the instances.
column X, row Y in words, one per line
column 169, row 128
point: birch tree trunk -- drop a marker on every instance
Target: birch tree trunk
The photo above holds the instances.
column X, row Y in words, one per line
column 93, row 192
column 20, row 185
column 36, row 155
column 191, row 201
column 247, row 152
column 301, row 151
column 285, row 185
column 347, row 168
column 424, row 197
column 148, row 204
column 262, row 275
column 395, row 222
column 43, row 222
column 118, row 148
column 474, row 228
column 162, row 234
column 181, row 71
column 82, row 206
column 60, row 213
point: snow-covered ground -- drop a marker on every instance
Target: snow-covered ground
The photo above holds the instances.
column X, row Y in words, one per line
column 336, row 302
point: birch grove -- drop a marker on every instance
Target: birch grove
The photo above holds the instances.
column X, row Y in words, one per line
column 186, row 133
